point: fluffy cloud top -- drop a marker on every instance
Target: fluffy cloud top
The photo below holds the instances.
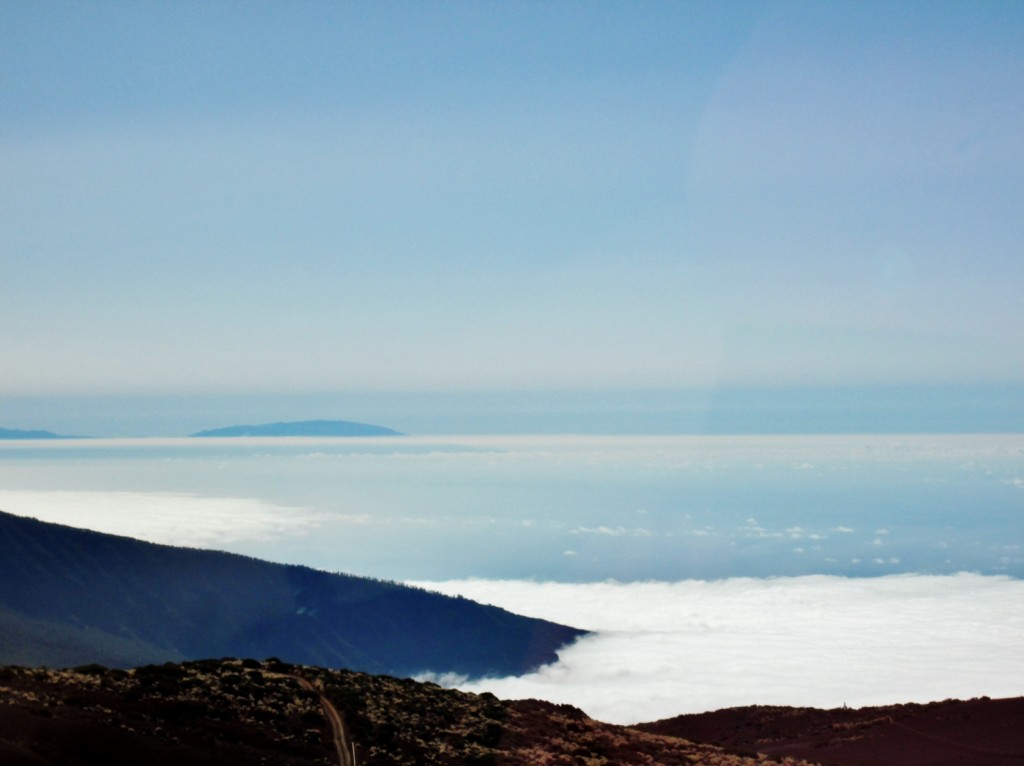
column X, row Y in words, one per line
column 661, row 648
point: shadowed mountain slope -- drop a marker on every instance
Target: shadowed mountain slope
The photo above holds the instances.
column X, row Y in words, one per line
column 303, row 428
column 71, row 596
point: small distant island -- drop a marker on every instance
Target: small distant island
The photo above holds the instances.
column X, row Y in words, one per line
column 303, row 428
column 15, row 433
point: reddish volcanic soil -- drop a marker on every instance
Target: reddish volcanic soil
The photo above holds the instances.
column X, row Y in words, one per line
column 976, row 732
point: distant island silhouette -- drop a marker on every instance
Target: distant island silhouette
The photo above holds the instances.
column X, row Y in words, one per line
column 16, row 433
column 303, row 428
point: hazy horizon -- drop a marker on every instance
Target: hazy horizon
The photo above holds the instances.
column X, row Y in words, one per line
column 568, row 508
column 737, row 410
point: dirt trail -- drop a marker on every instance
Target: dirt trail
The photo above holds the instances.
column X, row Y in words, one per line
column 342, row 744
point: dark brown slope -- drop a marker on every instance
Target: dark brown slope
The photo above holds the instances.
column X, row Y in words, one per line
column 976, row 732
column 71, row 596
column 230, row 712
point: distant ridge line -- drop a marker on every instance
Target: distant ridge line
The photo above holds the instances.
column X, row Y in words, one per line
column 301, row 428
column 17, row 433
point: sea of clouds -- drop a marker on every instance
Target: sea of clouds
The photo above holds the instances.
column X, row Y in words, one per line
column 660, row 649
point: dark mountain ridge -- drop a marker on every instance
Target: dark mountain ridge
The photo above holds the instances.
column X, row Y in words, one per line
column 72, row 596
column 303, row 428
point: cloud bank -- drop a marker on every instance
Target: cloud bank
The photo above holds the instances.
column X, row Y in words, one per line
column 661, row 649
column 170, row 518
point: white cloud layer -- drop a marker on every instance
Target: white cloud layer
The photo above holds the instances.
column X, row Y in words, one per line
column 662, row 649
column 170, row 518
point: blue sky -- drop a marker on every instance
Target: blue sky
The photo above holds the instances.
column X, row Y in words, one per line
column 253, row 197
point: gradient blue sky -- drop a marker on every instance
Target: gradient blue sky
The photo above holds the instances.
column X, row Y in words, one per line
column 310, row 196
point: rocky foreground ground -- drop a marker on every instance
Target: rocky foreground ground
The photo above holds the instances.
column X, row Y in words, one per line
column 975, row 732
column 230, row 712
